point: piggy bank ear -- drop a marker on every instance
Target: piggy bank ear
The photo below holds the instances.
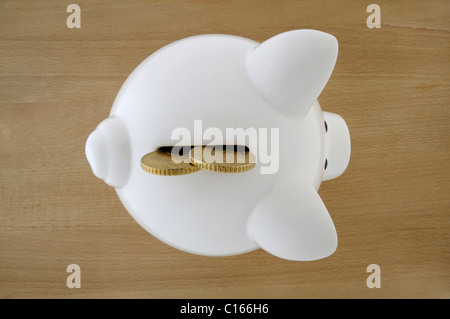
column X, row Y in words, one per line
column 108, row 152
column 291, row 69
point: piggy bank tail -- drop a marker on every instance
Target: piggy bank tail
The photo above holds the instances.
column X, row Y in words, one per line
column 108, row 152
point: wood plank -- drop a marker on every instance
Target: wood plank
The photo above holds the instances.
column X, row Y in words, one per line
column 391, row 207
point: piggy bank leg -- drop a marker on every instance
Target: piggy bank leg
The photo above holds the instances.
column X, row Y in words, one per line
column 292, row 222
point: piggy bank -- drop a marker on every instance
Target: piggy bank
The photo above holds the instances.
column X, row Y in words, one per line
column 222, row 82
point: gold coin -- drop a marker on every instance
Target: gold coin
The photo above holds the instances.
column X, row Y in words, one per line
column 222, row 159
column 160, row 162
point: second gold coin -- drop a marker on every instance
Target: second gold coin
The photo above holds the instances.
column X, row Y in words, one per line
column 223, row 159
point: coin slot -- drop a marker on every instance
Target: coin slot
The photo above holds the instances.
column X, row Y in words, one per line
column 161, row 162
column 179, row 150
column 184, row 150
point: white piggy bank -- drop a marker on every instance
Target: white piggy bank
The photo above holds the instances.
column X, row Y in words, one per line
column 230, row 82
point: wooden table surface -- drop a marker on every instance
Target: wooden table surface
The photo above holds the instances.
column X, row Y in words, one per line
column 391, row 207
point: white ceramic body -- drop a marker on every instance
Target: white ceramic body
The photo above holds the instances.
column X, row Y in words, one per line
column 216, row 79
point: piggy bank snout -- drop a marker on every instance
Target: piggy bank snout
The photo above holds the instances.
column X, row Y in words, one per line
column 108, row 152
column 338, row 146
